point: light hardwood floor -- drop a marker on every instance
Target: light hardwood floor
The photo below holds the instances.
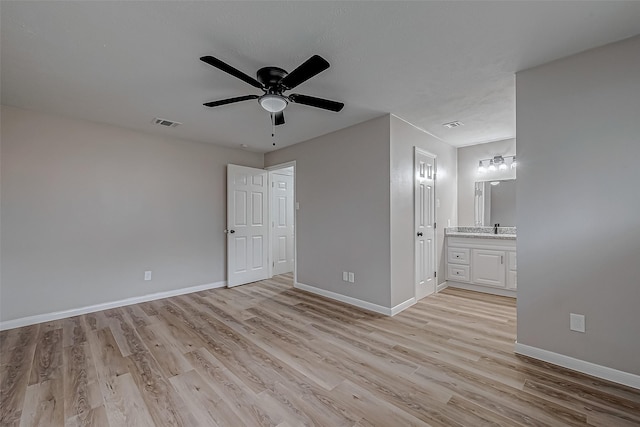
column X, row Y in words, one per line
column 266, row 354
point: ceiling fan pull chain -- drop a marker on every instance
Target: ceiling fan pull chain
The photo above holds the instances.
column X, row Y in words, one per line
column 273, row 127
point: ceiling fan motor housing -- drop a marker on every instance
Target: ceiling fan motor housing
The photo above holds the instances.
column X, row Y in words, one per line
column 270, row 77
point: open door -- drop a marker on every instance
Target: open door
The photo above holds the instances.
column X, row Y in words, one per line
column 247, row 225
column 425, row 223
column 282, row 220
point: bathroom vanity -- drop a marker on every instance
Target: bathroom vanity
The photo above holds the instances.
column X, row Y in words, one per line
column 478, row 259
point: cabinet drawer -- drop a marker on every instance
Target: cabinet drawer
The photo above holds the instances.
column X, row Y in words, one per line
column 459, row 273
column 458, row 256
column 512, row 262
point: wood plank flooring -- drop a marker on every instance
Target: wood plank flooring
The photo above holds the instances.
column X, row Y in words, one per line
column 266, row 354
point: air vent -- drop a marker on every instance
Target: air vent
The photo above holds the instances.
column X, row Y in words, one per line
column 452, row 125
column 166, row 123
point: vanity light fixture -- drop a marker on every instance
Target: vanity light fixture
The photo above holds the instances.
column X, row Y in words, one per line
column 497, row 163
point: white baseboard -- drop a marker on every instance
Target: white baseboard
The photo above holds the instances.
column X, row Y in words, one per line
column 356, row 302
column 442, row 286
column 402, row 306
column 47, row 317
column 588, row 368
column 483, row 289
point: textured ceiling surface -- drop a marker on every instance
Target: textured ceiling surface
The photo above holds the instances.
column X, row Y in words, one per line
column 124, row 63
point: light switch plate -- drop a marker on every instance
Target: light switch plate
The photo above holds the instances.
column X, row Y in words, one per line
column 352, row 277
column 345, row 276
column 576, row 322
column 147, row 275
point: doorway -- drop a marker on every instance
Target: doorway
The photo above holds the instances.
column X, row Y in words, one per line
column 260, row 223
column 282, row 217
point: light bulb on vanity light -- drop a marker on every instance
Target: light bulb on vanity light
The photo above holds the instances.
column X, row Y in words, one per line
column 503, row 166
column 513, row 163
column 492, row 167
column 481, row 168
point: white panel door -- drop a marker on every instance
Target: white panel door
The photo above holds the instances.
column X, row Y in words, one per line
column 424, row 203
column 282, row 222
column 247, row 225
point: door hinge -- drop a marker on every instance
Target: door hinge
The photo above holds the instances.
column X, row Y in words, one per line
column 434, row 175
column 435, row 274
column 434, row 225
column 273, row 184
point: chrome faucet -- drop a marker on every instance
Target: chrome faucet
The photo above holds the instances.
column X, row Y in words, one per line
column 495, row 228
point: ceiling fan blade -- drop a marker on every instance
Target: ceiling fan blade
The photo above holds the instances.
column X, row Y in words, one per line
column 312, row 66
column 279, row 118
column 230, row 100
column 316, row 102
column 215, row 62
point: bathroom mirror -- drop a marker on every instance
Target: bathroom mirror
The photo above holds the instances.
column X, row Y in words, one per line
column 495, row 202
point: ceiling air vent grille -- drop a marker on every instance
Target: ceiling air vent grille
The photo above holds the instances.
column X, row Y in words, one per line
column 452, row 125
column 166, row 123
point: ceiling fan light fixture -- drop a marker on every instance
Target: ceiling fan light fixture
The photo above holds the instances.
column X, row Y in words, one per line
column 273, row 103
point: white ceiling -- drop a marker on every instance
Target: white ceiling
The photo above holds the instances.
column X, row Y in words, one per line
column 124, row 63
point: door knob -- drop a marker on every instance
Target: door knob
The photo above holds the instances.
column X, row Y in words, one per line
column 232, row 231
column 419, row 233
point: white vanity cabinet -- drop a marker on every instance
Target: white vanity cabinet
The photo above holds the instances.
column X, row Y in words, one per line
column 482, row 264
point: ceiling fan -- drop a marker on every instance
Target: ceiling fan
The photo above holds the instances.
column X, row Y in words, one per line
column 273, row 81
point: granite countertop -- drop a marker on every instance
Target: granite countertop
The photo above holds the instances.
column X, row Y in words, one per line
column 504, row 233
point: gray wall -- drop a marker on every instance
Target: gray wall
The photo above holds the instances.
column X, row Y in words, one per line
column 468, row 158
column 342, row 185
column 87, row 208
column 579, row 205
column 403, row 138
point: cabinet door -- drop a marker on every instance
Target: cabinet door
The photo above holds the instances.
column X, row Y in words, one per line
column 488, row 267
column 512, row 275
column 512, row 280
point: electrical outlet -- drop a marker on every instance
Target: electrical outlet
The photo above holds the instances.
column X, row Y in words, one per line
column 345, row 276
column 577, row 322
column 352, row 277
column 147, row 275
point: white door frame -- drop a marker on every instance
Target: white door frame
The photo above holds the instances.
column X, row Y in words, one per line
column 435, row 231
column 295, row 222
